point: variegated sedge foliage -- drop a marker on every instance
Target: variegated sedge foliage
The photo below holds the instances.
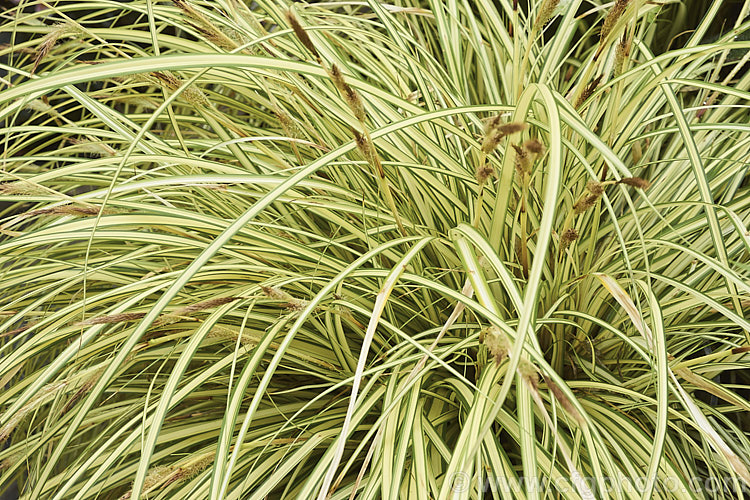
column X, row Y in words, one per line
column 359, row 249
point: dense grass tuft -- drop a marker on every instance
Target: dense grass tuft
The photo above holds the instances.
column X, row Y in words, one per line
column 368, row 250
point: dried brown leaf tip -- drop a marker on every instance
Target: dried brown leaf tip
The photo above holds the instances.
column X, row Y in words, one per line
column 563, row 400
column 301, row 34
column 635, row 182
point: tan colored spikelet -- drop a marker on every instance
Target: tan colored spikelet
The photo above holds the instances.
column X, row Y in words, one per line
column 529, row 373
column 523, row 160
column 50, row 40
column 112, row 318
column 292, row 303
column 38, row 105
column 635, row 182
column 192, row 94
column 495, row 134
column 98, row 148
column 206, row 304
column 492, row 139
column 301, row 34
column 588, row 91
column 595, row 188
column 287, row 124
column 167, row 78
column 511, row 128
column 85, row 388
column 75, row 211
column 621, row 53
column 45, row 394
column 546, row 11
column 568, row 237
column 484, row 173
column 364, row 146
column 183, row 313
column 226, row 333
column 205, row 26
column 534, row 146
column 497, row 343
column 492, row 124
column 275, row 293
column 164, row 475
column 609, row 22
column 21, row 188
column 348, row 93
column 585, row 203
column 195, row 96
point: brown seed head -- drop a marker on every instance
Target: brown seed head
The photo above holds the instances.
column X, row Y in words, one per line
column 66, row 210
column 492, row 124
column 495, row 132
column 484, row 173
column 206, row 304
column 585, row 203
column 529, row 373
column 568, row 237
column 523, row 160
column 614, row 15
column 621, row 53
column 21, row 188
column 511, row 128
column 595, row 188
column 545, row 12
column 588, row 91
column 348, row 93
column 112, row 318
column 363, row 145
column 534, row 146
column 302, row 35
column 636, row 182
column 497, row 343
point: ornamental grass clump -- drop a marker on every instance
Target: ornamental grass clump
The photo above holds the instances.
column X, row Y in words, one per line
column 338, row 250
